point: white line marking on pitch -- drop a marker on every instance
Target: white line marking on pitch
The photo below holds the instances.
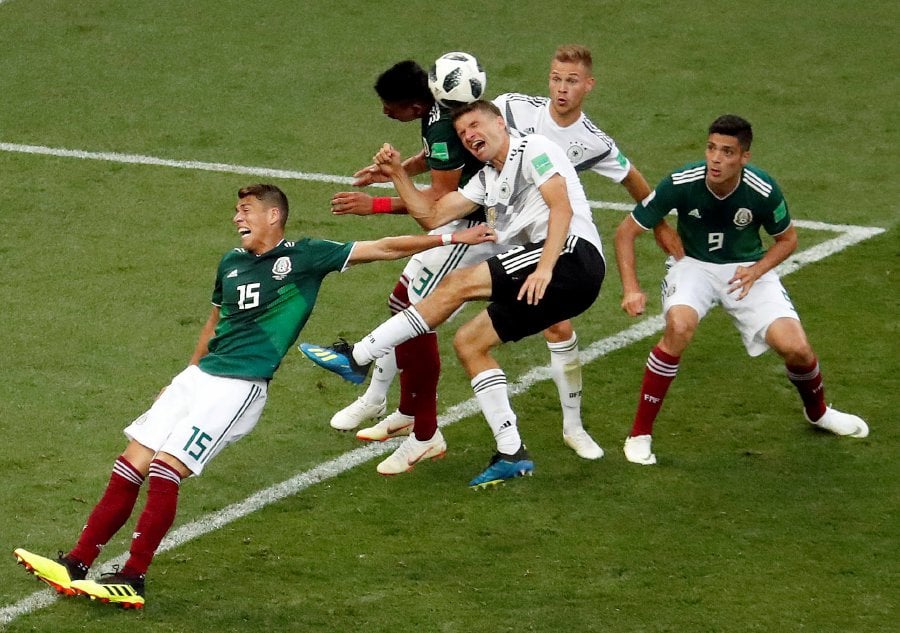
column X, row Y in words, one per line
column 228, row 168
column 848, row 236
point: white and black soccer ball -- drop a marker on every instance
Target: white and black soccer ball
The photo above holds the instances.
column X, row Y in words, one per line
column 456, row 78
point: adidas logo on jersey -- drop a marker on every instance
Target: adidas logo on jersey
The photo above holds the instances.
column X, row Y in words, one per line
column 232, row 274
column 694, row 213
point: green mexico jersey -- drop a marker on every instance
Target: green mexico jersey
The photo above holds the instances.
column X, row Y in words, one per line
column 443, row 149
column 264, row 302
column 721, row 231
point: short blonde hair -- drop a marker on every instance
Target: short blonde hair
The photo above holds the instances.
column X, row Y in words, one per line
column 575, row 53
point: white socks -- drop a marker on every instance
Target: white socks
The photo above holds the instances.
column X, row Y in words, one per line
column 382, row 377
column 382, row 340
column 565, row 367
column 493, row 397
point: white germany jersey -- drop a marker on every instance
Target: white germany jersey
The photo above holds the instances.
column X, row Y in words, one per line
column 512, row 199
column 587, row 147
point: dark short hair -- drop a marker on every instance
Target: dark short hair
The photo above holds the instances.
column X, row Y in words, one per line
column 269, row 194
column 733, row 125
column 481, row 105
column 404, row 82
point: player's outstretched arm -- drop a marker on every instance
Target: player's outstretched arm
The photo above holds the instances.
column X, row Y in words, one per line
column 401, row 246
column 633, row 298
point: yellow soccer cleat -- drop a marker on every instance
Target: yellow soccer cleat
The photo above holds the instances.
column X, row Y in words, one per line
column 123, row 591
column 59, row 573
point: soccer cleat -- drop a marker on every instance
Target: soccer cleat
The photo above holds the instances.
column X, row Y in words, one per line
column 840, row 423
column 637, row 450
column 411, row 452
column 394, row 425
column 59, row 573
column 503, row 467
column 115, row 588
column 357, row 412
column 338, row 359
column 583, row 444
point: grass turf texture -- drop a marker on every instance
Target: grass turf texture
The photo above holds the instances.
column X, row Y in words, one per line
column 752, row 521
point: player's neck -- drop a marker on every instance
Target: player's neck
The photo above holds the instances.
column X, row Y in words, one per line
column 500, row 158
column 564, row 119
column 266, row 245
column 724, row 189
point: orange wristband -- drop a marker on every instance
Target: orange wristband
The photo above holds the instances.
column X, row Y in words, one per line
column 381, row 205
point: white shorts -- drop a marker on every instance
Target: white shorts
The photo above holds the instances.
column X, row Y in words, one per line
column 426, row 269
column 702, row 285
column 198, row 415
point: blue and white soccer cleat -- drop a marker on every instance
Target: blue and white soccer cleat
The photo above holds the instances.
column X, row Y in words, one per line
column 338, row 359
column 503, row 467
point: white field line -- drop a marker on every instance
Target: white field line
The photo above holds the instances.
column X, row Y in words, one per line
column 263, row 172
column 848, row 235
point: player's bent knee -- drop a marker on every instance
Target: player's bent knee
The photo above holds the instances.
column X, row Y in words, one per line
column 681, row 325
column 559, row 332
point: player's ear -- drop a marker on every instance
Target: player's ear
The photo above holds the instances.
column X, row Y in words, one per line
column 745, row 157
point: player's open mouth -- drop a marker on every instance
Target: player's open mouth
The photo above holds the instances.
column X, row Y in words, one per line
column 476, row 144
column 244, row 231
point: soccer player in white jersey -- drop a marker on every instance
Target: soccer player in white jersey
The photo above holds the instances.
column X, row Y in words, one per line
column 405, row 97
column 534, row 201
column 560, row 118
column 722, row 203
column 263, row 294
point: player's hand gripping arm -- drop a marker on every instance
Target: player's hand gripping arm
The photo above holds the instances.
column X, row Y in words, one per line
column 430, row 213
column 360, row 203
column 633, row 298
column 405, row 245
column 746, row 276
column 666, row 237
column 556, row 196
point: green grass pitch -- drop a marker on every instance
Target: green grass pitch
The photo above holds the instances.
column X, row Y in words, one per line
column 752, row 521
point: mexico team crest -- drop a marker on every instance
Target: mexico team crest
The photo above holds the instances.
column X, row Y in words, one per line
column 743, row 217
column 282, row 268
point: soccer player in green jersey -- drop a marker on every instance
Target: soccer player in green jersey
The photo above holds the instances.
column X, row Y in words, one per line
column 263, row 295
column 722, row 203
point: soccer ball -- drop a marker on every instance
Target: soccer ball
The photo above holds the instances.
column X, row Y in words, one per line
column 456, row 78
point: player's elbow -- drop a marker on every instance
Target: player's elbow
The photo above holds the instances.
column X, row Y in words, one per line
column 428, row 222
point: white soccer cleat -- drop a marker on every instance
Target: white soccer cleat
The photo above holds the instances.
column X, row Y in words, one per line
column 841, row 423
column 583, row 444
column 637, row 450
column 411, row 452
column 394, row 425
column 356, row 413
